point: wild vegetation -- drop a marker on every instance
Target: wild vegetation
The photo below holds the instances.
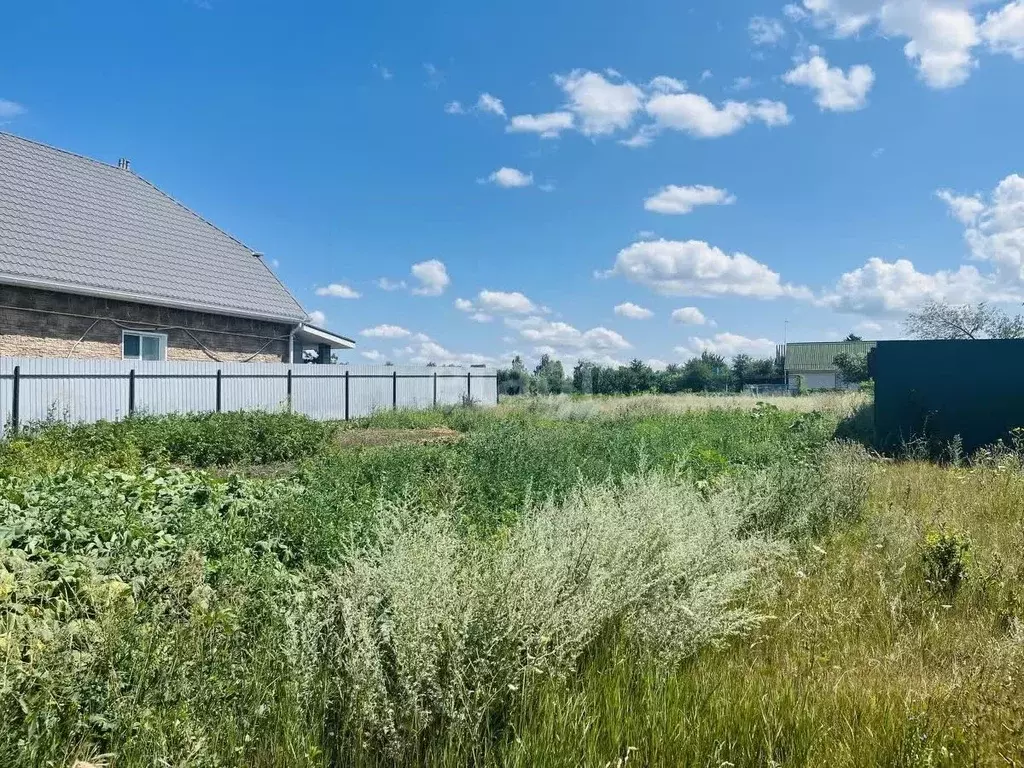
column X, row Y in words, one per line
column 651, row 581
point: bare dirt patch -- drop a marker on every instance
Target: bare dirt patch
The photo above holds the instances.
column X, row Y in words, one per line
column 359, row 438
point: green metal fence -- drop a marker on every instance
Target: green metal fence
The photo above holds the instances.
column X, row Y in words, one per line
column 941, row 390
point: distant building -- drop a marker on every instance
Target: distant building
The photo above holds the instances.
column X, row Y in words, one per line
column 813, row 362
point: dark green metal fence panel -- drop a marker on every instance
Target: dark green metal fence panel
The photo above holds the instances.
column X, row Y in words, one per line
column 939, row 390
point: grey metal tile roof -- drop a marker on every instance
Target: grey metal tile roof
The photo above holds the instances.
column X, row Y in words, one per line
column 75, row 224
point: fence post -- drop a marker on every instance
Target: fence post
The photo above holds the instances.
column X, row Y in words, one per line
column 219, row 388
column 469, row 387
column 394, row 391
column 131, row 392
column 16, row 399
column 435, row 389
column 497, row 392
column 289, row 390
column 346, row 395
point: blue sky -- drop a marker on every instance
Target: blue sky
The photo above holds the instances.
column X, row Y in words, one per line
column 604, row 180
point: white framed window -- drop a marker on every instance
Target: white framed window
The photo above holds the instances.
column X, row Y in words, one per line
column 140, row 345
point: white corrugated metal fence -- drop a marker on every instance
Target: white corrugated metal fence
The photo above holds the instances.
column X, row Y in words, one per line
column 35, row 389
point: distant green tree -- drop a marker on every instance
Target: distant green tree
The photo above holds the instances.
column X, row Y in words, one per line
column 641, row 377
column 549, row 376
column 670, row 381
column 853, row 368
column 741, row 370
column 583, row 377
column 853, row 337
column 707, row 373
column 514, row 380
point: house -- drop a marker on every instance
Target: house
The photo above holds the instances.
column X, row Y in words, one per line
column 96, row 262
column 810, row 364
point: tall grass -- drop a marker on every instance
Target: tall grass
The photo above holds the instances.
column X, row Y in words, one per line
column 575, row 408
column 435, row 634
column 385, row 606
column 713, row 587
column 869, row 658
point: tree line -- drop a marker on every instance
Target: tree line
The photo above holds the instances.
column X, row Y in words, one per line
column 713, row 373
column 708, row 373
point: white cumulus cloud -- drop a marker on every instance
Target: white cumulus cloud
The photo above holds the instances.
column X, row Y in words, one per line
column 432, row 276
column 834, row 90
column 386, row 332
column 689, row 316
column 430, row 351
column 316, row 317
column 601, row 106
column 994, row 233
column 966, row 208
column 633, row 311
column 560, row 335
column 728, row 345
column 695, row 268
column 1003, row 29
column 548, row 125
column 939, row 36
column 338, row 291
column 698, row 116
column 510, row 178
column 505, row 303
column 666, row 84
column 642, row 138
column 681, row 200
column 881, row 287
column 492, row 104
column 996, row 236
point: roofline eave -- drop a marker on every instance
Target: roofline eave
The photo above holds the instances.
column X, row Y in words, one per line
column 79, row 290
column 322, row 336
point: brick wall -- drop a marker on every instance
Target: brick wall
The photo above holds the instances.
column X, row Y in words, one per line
column 38, row 323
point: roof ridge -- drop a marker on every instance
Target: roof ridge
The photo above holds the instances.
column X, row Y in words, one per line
column 138, row 176
column 223, row 232
column 164, row 232
column 167, row 195
column 52, row 148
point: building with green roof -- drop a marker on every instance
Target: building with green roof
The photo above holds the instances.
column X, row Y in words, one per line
column 813, row 361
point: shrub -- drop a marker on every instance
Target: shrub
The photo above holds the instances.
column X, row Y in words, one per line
column 431, row 630
column 946, row 557
column 203, row 440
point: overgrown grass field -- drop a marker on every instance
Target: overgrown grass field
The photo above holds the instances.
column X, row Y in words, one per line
column 651, row 581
